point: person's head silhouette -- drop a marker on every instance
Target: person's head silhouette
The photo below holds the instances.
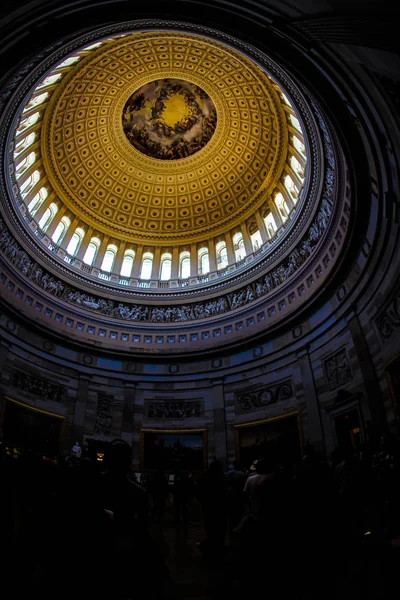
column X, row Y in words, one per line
column 118, row 456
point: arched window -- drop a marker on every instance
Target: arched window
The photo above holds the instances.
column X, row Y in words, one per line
column 91, row 251
column 297, row 168
column 291, row 187
column 295, row 123
column 37, row 201
column 69, row 61
column 127, row 263
column 97, row 44
column 109, row 258
column 48, row 216
column 49, row 80
column 222, row 255
column 25, row 164
column 165, row 266
column 36, row 101
column 184, row 265
column 270, row 224
column 29, row 183
column 238, row 246
column 75, row 241
column 24, row 143
column 28, row 121
column 256, row 240
column 299, row 146
column 281, row 206
column 147, row 265
column 255, row 235
column 60, row 230
column 204, row 261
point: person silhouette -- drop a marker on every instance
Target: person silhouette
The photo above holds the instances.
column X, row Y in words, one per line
column 77, row 450
column 134, row 548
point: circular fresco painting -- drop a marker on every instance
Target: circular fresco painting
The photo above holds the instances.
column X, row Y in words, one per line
column 169, row 119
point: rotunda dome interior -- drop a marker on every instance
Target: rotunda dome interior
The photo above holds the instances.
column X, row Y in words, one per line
column 199, row 209
column 166, row 167
column 242, row 170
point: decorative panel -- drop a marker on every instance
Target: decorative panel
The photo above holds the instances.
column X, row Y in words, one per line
column 260, row 396
column 103, row 422
column 337, row 369
column 174, row 410
column 39, row 387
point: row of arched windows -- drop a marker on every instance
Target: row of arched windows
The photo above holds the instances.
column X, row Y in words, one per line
column 47, row 217
column 165, row 270
column 108, row 261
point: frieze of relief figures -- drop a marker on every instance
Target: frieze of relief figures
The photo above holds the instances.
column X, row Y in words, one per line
column 174, row 410
column 25, row 265
column 326, row 139
column 262, row 396
column 38, row 386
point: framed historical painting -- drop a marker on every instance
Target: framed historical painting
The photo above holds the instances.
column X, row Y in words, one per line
column 280, row 438
column 32, row 429
column 172, row 449
column 392, row 371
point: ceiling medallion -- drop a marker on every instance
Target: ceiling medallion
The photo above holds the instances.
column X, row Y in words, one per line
column 169, row 119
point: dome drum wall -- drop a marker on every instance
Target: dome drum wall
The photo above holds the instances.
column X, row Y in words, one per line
column 251, row 317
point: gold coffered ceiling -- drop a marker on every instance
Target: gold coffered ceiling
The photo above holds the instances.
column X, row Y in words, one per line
column 100, row 176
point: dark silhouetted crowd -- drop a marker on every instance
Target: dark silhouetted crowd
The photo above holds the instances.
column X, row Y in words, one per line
column 320, row 527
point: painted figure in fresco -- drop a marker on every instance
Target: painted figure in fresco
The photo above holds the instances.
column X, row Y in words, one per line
column 169, row 119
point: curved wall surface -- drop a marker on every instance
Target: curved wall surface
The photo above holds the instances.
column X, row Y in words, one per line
column 322, row 341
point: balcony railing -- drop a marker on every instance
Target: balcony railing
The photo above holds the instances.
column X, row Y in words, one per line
column 104, row 276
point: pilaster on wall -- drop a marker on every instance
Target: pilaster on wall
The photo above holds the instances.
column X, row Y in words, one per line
column 219, row 421
column 118, row 403
column 128, row 412
column 311, row 399
column 137, row 414
column 230, row 416
column 80, row 409
column 4, row 348
column 372, row 390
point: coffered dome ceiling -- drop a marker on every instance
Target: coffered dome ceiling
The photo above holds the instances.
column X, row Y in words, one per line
column 164, row 136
